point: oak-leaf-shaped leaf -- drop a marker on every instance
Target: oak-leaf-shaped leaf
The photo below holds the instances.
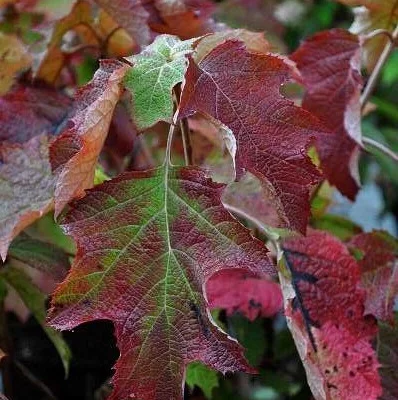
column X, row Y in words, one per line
column 379, row 271
column 241, row 89
column 147, row 243
column 329, row 63
column 74, row 153
column 324, row 305
column 156, row 70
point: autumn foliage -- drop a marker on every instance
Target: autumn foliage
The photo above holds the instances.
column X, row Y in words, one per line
column 183, row 159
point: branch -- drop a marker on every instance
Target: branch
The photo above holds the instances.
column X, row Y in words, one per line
column 378, row 68
column 372, row 144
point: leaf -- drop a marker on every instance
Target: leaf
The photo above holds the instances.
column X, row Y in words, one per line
column 26, row 187
column 241, row 90
column 75, row 152
column 325, row 309
column 155, row 72
column 379, row 267
column 13, row 59
column 329, row 63
column 40, row 110
column 372, row 15
column 147, row 243
column 240, row 291
column 203, row 377
column 387, row 349
column 40, row 255
column 34, row 300
column 339, row 226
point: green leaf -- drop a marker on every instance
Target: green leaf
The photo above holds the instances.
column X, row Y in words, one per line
column 156, row 70
column 35, row 300
column 203, row 377
column 339, row 226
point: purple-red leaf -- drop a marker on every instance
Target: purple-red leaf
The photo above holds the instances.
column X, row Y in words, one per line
column 242, row 90
column 147, row 243
column 330, row 65
column 325, row 308
column 247, row 293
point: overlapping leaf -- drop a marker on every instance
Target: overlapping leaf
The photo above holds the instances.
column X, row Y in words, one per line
column 239, row 291
column 75, row 152
column 147, row 243
column 325, row 308
column 379, row 272
column 330, row 65
column 370, row 16
column 241, row 89
column 39, row 110
column 155, row 72
column 26, row 187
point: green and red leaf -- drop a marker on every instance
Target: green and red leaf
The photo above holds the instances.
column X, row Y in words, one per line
column 147, row 243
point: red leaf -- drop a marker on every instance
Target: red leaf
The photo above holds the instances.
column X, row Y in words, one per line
column 75, row 152
column 147, row 243
column 330, row 65
column 241, row 89
column 326, row 318
column 379, row 267
column 240, row 291
column 39, row 110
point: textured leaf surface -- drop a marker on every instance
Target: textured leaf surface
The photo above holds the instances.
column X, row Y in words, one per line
column 325, row 308
column 26, row 187
column 203, row 377
column 155, row 72
column 241, row 89
column 14, row 58
column 75, row 152
column 43, row 256
column 387, row 348
column 147, row 243
column 39, row 110
column 239, row 291
column 379, row 272
column 35, row 301
column 372, row 15
column 330, row 65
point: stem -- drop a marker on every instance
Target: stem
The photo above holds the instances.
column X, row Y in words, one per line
column 372, row 144
column 378, row 68
column 184, row 128
column 378, row 32
column 167, row 158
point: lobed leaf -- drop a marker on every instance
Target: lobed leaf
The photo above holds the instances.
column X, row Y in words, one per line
column 329, row 63
column 156, row 70
column 147, row 243
column 241, row 89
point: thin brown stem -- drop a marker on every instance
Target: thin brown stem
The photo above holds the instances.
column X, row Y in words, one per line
column 184, row 128
column 378, row 68
column 371, row 145
column 378, row 32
